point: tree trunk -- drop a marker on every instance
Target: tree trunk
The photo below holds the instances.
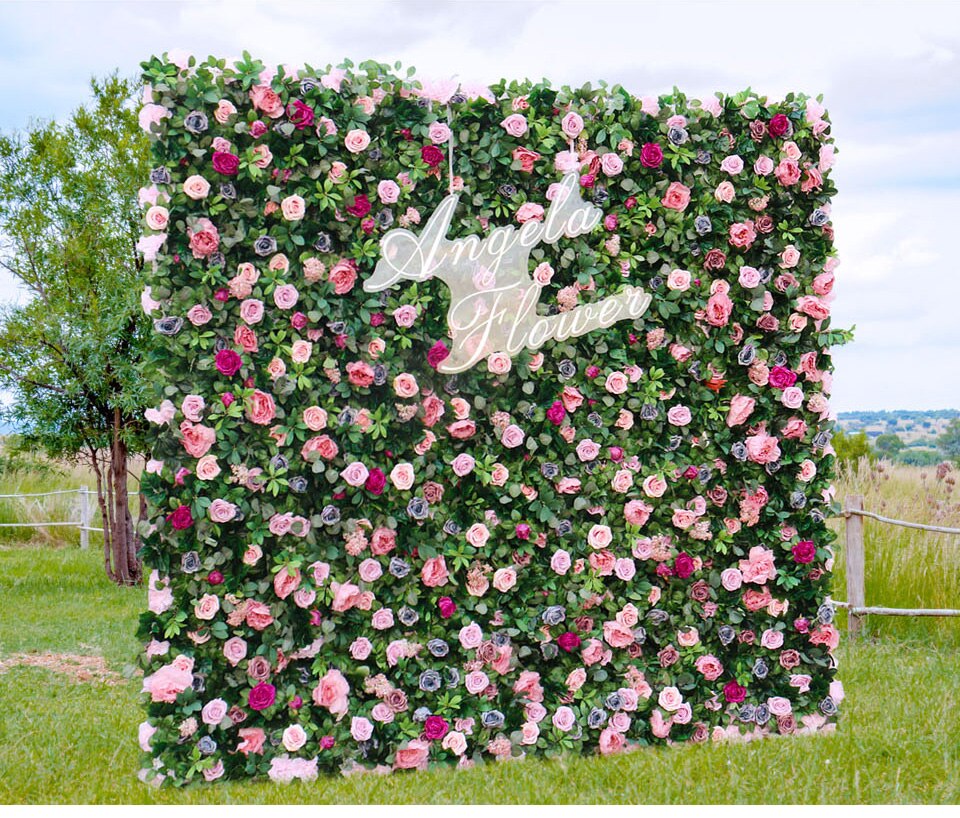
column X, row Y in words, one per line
column 124, row 541
column 120, row 539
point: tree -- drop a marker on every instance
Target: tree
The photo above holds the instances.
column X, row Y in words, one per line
column 888, row 445
column 949, row 441
column 69, row 223
column 851, row 448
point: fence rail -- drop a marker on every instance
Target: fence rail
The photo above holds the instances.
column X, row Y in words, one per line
column 855, row 555
column 86, row 512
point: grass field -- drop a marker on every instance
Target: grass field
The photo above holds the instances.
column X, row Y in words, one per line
column 68, row 732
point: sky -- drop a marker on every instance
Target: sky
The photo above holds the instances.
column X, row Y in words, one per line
column 889, row 73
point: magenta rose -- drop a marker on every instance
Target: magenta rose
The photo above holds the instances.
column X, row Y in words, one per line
column 683, row 565
column 360, row 206
column 432, row 155
column 734, row 692
column 568, row 641
column 228, row 362
column 376, row 480
column 438, row 354
column 804, row 552
column 781, row 377
column 435, row 728
column 226, row 163
column 300, row 114
column 215, row 578
column 446, row 606
column 779, row 125
column 556, row 413
column 262, row 696
column 180, row 518
column 651, row 155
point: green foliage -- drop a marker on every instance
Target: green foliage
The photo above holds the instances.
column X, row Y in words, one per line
column 888, row 445
column 851, row 448
column 949, row 441
column 69, row 222
column 690, row 440
column 918, row 457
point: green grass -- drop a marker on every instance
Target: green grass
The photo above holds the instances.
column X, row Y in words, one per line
column 68, row 741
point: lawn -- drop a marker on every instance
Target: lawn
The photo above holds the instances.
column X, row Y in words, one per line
column 71, row 736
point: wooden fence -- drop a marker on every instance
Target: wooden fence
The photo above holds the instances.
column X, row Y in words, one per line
column 855, row 555
column 85, row 510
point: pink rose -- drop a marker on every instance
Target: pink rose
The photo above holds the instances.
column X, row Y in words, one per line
column 434, row 572
column 763, row 166
column 611, row 164
column 515, row 125
column 470, row 636
column 677, row 197
column 741, row 408
column 198, row 315
column 360, row 728
column 679, row 280
column 207, row 607
column 529, row 211
column 221, row 511
column 382, row 619
column 356, row 141
column 504, row 579
column 293, row 208
column 709, row 666
column 731, row 579
column 402, row 476
column 564, row 718
column 600, row 536
column 355, row 474
column 572, row 124
column 214, row 712
column 360, row 648
column 725, row 192
column 405, row 385
column 587, row 450
column 679, row 415
column 414, row 755
column 157, row 218
column 285, row 296
column 790, row 257
column 560, row 562
column 732, row 164
column 513, row 436
column 477, row 535
column 405, row 315
column 762, row 448
column 260, row 408
column 370, row 570
column 332, row 693
column 251, row 310
column 294, row 737
column 388, row 191
column 463, row 464
column 670, row 699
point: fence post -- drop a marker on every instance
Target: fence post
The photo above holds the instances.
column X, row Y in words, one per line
column 84, row 517
column 854, row 552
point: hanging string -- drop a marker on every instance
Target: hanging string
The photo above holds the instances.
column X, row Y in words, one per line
column 450, row 146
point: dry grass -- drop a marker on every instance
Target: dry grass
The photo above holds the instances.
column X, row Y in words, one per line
column 906, row 568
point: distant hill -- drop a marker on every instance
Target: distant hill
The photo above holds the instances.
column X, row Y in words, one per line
column 911, row 426
column 918, row 430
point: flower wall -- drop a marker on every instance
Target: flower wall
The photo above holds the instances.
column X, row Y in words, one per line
column 615, row 540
